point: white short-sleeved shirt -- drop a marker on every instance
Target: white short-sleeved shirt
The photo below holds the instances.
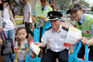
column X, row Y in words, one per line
column 6, row 18
column 55, row 39
column 27, row 9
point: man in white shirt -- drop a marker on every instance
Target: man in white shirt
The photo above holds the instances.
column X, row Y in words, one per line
column 27, row 18
column 55, row 36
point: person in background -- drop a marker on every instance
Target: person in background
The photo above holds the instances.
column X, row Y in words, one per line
column 84, row 22
column 55, row 36
column 39, row 14
column 9, row 26
column 27, row 18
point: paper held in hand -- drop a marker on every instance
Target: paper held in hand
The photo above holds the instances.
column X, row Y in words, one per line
column 33, row 47
column 73, row 35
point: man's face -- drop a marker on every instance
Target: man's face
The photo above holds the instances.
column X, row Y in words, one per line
column 25, row 1
column 44, row 3
column 22, row 34
column 76, row 14
column 55, row 24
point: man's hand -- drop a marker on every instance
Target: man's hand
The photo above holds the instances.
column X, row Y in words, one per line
column 27, row 22
column 38, row 44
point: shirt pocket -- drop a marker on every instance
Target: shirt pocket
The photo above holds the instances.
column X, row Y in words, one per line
column 51, row 40
column 61, row 40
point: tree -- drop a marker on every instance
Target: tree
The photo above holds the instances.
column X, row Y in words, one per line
column 92, row 8
column 65, row 4
column 62, row 4
column 84, row 3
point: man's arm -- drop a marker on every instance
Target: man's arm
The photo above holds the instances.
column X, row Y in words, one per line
column 11, row 16
column 28, row 17
column 29, row 13
column 34, row 19
column 42, row 44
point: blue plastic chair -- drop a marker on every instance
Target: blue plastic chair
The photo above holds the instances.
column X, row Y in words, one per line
column 29, row 59
column 73, row 57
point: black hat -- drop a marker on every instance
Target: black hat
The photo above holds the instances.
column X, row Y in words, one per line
column 74, row 7
column 54, row 15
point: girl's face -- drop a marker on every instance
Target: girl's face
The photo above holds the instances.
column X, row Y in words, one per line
column 76, row 14
column 22, row 34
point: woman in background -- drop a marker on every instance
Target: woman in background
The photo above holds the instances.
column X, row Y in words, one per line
column 8, row 27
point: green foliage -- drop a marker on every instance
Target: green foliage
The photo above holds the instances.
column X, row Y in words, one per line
column 63, row 4
column 82, row 2
column 92, row 8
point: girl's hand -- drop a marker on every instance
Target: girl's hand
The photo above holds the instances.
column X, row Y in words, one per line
column 1, row 28
column 15, row 27
column 84, row 40
column 0, row 41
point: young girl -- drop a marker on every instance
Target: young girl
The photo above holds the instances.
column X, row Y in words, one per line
column 84, row 22
column 8, row 27
column 19, row 47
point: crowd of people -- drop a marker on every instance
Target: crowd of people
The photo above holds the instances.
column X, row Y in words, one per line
column 55, row 35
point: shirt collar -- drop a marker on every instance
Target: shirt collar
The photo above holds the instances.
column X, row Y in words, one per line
column 44, row 7
column 82, row 18
column 58, row 30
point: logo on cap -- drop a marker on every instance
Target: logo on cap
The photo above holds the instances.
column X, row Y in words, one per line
column 71, row 6
column 50, row 15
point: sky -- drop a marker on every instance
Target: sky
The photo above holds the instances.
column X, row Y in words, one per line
column 89, row 1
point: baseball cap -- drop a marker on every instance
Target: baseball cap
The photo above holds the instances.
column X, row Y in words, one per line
column 74, row 7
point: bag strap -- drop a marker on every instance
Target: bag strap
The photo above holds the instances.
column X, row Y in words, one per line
column 4, row 35
column 77, row 48
column 37, row 25
column 86, row 53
